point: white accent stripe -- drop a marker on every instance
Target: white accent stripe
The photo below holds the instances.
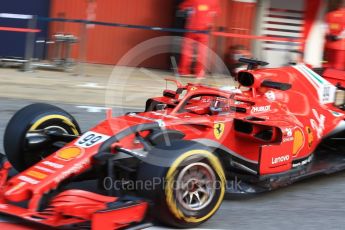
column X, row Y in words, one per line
column 281, row 46
column 293, row 35
column 324, row 89
column 317, row 76
column 52, row 164
column 283, row 20
column 283, row 27
column 314, row 78
column 15, row 16
column 14, row 188
column 299, row 69
column 44, row 169
column 309, row 75
column 28, row 179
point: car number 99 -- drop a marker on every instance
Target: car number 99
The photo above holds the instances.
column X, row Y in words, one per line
column 90, row 139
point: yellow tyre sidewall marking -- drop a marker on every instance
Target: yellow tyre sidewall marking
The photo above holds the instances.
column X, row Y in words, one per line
column 214, row 161
column 50, row 117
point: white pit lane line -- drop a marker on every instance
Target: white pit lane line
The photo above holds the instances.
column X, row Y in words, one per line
column 100, row 109
column 91, row 85
column 162, row 228
column 92, row 109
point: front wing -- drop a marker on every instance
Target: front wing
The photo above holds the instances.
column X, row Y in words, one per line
column 75, row 207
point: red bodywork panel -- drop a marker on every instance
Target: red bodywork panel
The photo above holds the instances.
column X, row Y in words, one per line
column 266, row 127
column 336, row 77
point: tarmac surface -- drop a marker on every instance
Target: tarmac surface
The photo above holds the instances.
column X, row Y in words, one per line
column 317, row 203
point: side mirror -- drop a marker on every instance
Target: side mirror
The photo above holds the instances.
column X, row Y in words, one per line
column 169, row 93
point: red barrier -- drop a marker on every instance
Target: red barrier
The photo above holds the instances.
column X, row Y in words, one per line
column 22, row 30
column 264, row 38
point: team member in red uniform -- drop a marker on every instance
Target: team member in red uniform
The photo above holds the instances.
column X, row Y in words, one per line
column 201, row 17
column 335, row 42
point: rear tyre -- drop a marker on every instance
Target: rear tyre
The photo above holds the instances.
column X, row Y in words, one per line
column 186, row 182
column 29, row 119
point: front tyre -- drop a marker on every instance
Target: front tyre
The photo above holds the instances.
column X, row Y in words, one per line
column 192, row 184
column 27, row 121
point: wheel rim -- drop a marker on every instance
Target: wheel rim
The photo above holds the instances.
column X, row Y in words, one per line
column 196, row 186
column 34, row 158
column 56, row 128
column 49, row 128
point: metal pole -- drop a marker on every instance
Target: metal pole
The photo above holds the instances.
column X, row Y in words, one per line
column 30, row 44
column 262, row 6
column 91, row 16
column 209, row 56
column 219, row 49
column 82, row 50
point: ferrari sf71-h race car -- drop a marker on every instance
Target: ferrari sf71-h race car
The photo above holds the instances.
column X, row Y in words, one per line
column 176, row 161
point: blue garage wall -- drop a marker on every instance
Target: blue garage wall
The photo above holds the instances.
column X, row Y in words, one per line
column 12, row 44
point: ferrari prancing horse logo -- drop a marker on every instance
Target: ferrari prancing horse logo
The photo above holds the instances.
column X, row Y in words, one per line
column 218, row 130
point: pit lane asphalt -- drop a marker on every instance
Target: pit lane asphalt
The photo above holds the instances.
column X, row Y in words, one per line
column 317, row 203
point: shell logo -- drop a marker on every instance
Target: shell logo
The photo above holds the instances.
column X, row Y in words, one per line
column 335, row 26
column 69, row 153
column 203, row 7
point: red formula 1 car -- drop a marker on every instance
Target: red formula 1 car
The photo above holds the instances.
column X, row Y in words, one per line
column 178, row 159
